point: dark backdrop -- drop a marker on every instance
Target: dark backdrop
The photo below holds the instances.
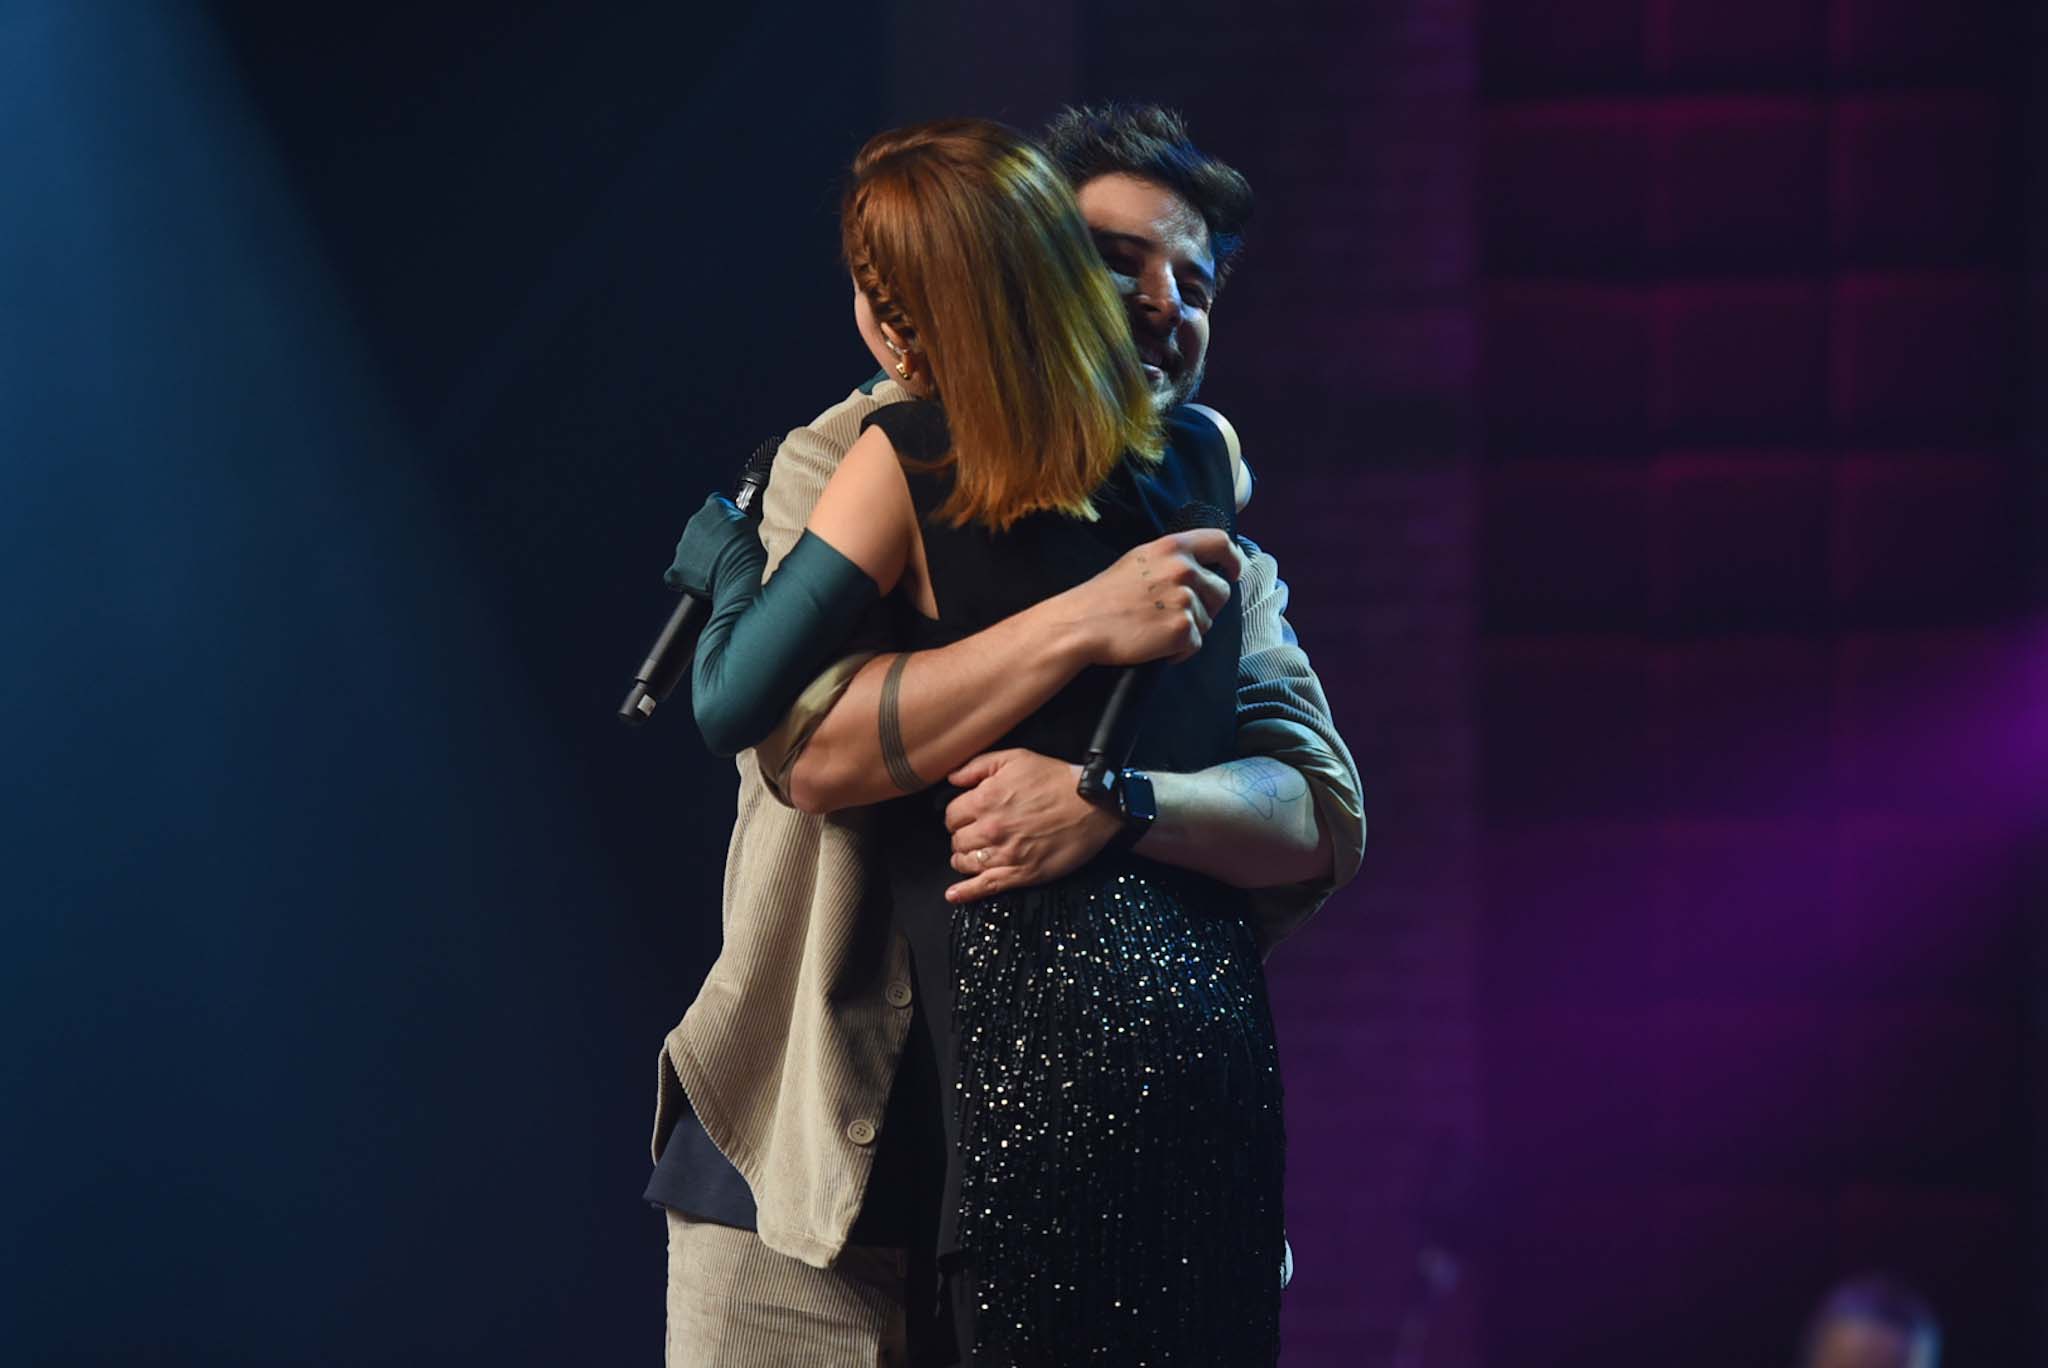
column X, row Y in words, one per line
column 360, row 366
column 357, row 368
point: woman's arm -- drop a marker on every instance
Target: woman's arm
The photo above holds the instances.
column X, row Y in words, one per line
column 865, row 513
column 909, row 719
column 763, row 642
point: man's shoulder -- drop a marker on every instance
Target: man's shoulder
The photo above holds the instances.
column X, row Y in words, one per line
column 840, row 424
column 807, row 457
column 1206, row 449
column 1211, row 424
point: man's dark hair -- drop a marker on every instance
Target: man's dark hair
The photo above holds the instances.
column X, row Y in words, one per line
column 1152, row 143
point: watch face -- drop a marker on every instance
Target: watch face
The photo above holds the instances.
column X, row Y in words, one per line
column 1134, row 796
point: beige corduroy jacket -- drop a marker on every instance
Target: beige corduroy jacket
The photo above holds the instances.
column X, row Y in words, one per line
column 787, row 1054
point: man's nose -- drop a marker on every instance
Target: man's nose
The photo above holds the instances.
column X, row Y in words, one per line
column 1159, row 297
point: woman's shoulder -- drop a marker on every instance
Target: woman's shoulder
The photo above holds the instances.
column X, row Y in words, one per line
column 915, row 427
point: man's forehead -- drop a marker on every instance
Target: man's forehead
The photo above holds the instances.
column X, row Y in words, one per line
column 1146, row 214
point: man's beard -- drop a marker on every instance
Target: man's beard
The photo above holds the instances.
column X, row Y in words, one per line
column 1170, row 391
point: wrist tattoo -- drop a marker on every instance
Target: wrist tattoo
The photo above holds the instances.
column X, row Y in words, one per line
column 894, row 757
column 1263, row 784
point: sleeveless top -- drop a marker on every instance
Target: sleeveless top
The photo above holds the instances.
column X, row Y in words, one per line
column 979, row 577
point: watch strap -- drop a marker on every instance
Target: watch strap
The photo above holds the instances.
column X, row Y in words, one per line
column 1135, row 804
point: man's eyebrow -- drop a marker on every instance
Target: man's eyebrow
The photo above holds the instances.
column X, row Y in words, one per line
column 1143, row 243
column 1124, row 239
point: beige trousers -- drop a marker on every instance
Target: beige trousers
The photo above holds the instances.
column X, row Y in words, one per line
column 735, row 1303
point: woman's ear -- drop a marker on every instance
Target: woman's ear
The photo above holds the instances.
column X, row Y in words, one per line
column 911, row 368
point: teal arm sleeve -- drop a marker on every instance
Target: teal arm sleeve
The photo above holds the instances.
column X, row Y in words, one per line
column 763, row 643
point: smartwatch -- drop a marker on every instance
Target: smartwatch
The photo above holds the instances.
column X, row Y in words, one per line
column 1136, row 805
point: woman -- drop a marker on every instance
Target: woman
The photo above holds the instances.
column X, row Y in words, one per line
column 1109, row 1089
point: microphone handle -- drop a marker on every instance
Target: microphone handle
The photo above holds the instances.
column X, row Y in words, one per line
column 666, row 662
column 1116, row 732
column 664, row 667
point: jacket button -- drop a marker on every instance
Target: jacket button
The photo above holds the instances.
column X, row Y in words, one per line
column 861, row 1132
column 898, row 993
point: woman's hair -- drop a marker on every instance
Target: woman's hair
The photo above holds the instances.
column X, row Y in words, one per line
column 966, row 240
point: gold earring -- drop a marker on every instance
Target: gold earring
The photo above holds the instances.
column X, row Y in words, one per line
column 902, row 363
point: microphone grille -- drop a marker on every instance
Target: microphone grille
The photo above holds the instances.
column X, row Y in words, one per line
column 756, row 468
column 754, row 474
column 1190, row 516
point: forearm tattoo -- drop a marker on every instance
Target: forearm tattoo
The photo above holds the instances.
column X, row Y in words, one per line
column 1263, row 784
column 893, row 754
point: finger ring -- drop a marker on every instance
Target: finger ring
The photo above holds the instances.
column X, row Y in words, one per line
column 981, row 857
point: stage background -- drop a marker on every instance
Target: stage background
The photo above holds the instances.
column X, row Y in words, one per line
column 1647, row 402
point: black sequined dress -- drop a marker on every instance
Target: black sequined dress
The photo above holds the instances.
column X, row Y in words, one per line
column 1109, row 1083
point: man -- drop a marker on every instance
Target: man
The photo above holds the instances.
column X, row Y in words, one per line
column 782, row 1070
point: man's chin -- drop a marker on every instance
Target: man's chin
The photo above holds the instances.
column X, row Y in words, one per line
column 1170, row 392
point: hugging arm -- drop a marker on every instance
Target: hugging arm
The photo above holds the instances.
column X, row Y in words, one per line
column 906, row 720
column 762, row 642
column 1285, row 818
column 903, row 722
column 1283, row 715
column 1249, row 823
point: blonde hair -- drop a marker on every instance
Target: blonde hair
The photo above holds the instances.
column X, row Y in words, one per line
column 966, row 240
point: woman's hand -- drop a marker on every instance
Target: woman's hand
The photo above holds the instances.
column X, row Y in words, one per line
column 719, row 544
column 1158, row 600
column 1020, row 822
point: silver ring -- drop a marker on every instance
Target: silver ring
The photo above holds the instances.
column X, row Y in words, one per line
column 981, row 857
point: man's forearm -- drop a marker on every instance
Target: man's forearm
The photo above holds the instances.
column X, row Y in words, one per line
column 1253, row 823
column 1250, row 823
column 908, row 721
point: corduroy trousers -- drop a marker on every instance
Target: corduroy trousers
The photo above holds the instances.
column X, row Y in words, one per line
column 735, row 1303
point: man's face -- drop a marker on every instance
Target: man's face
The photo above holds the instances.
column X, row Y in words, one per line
column 1157, row 248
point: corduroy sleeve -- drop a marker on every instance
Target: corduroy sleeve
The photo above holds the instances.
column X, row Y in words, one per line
column 1282, row 714
column 803, row 467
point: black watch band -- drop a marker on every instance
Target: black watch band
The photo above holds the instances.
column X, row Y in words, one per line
column 1136, row 805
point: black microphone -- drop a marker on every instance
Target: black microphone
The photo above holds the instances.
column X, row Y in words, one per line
column 668, row 660
column 1117, row 732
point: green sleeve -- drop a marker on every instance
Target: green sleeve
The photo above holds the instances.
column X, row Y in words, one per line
column 764, row 642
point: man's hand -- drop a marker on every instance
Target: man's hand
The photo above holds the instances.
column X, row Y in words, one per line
column 1158, row 600
column 1020, row 822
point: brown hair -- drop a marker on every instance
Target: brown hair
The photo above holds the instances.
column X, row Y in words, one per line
column 965, row 238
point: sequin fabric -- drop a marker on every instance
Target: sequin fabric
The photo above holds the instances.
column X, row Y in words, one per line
column 1120, row 1133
